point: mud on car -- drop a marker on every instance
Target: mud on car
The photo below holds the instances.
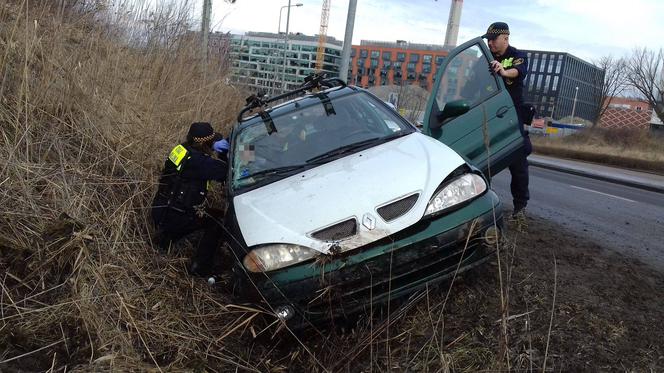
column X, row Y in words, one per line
column 337, row 203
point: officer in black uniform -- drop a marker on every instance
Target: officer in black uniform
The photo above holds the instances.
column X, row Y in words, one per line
column 178, row 208
column 512, row 65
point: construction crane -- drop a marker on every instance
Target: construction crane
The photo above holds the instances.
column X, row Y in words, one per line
column 322, row 35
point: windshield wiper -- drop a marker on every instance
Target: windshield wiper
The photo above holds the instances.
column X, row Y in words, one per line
column 343, row 149
column 276, row 171
column 396, row 135
column 350, row 147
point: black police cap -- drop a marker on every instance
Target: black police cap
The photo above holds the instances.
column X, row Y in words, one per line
column 202, row 132
column 496, row 29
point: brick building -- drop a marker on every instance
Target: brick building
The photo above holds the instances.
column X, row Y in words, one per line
column 376, row 63
column 626, row 113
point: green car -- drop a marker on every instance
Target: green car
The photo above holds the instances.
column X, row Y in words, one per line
column 338, row 204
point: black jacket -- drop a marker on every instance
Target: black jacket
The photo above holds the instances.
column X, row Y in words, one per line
column 184, row 181
column 514, row 59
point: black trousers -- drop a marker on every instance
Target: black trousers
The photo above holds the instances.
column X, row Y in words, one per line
column 519, row 170
column 173, row 225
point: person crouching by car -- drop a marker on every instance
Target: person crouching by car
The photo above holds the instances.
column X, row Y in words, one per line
column 178, row 208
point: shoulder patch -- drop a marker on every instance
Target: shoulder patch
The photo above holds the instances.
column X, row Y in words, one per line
column 177, row 155
column 518, row 61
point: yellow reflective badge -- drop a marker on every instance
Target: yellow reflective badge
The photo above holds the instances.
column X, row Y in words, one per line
column 507, row 62
column 177, row 155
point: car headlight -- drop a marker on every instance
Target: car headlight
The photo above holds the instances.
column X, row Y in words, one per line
column 461, row 189
column 271, row 257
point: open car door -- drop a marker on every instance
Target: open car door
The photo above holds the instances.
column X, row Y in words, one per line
column 470, row 110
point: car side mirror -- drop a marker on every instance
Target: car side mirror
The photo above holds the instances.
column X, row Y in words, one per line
column 452, row 109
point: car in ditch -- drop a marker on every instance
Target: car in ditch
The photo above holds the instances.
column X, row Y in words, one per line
column 338, row 204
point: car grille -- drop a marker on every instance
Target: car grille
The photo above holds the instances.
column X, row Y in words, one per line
column 395, row 209
column 337, row 232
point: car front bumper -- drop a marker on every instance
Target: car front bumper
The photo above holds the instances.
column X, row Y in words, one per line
column 426, row 253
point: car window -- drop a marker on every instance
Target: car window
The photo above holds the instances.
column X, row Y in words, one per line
column 307, row 132
column 467, row 77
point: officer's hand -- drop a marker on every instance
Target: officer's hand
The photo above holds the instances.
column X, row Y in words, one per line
column 497, row 67
column 221, row 146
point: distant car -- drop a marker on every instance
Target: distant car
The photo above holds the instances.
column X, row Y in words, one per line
column 338, row 203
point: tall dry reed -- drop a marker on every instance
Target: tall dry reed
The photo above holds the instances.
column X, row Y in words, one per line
column 94, row 94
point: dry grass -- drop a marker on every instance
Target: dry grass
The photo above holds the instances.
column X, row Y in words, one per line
column 628, row 148
column 88, row 114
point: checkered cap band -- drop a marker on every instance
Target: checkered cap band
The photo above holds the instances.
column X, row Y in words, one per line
column 498, row 31
column 203, row 139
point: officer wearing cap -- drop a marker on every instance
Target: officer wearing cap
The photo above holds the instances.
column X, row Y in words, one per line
column 512, row 65
column 178, row 208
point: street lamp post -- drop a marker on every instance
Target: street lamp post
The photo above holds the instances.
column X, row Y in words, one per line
column 576, row 92
column 283, row 70
column 272, row 60
column 280, row 12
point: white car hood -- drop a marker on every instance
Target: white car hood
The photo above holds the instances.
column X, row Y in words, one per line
column 291, row 209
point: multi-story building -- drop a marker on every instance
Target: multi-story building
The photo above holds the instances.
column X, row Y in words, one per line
column 387, row 63
column 258, row 60
column 559, row 83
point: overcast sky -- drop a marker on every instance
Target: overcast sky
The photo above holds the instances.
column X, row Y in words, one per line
column 585, row 28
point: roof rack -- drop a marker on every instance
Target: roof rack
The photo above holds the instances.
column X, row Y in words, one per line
column 311, row 82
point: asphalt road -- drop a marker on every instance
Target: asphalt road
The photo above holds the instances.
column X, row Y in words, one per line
column 620, row 218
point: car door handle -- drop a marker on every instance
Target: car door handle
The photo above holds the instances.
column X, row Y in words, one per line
column 502, row 111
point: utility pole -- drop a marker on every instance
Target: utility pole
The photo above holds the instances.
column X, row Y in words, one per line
column 205, row 29
column 453, row 24
column 348, row 40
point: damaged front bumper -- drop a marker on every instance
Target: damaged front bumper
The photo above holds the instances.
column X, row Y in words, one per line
column 426, row 253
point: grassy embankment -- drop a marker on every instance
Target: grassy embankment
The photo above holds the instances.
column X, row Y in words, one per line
column 626, row 148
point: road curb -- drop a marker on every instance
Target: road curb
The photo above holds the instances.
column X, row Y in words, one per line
column 598, row 176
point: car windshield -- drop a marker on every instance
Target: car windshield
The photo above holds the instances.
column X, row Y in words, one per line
column 315, row 133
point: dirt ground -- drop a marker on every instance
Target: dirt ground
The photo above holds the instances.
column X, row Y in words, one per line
column 607, row 316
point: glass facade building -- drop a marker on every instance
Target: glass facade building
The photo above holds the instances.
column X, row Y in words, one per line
column 258, row 60
column 552, row 81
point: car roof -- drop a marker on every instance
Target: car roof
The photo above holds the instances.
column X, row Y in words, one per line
column 298, row 103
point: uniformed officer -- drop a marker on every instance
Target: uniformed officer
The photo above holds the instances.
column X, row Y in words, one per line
column 512, row 65
column 178, row 208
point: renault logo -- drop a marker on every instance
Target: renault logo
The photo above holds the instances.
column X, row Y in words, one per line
column 369, row 221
